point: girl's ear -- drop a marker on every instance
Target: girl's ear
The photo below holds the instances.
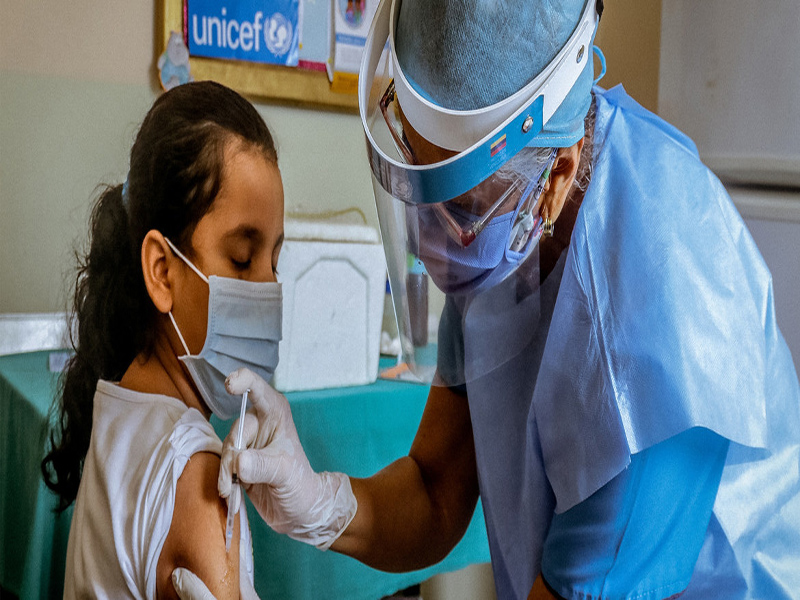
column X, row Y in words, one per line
column 157, row 259
column 559, row 184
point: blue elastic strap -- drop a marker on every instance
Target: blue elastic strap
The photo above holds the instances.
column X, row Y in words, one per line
column 639, row 536
column 602, row 58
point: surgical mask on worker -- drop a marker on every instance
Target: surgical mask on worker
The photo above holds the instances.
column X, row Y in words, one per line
column 455, row 269
column 492, row 255
column 244, row 329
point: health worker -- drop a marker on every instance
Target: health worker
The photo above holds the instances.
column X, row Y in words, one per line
column 609, row 377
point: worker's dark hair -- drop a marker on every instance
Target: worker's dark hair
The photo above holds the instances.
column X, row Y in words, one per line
column 176, row 169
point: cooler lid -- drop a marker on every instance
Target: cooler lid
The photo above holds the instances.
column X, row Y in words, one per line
column 326, row 231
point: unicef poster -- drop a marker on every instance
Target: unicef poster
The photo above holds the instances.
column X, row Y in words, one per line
column 266, row 31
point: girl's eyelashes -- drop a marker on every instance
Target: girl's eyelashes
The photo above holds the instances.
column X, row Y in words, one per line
column 241, row 265
column 276, row 252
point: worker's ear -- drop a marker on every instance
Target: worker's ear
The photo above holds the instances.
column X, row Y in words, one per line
column 157, row 260
column 558, row 186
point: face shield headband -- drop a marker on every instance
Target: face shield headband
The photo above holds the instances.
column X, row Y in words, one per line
column 484, row 138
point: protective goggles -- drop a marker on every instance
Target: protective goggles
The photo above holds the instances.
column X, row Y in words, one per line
column 492, row 197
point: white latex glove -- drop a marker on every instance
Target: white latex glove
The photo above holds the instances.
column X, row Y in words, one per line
column 290, row 496
column 190, row 587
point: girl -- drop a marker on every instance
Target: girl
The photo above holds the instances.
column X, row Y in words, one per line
column 178, row 284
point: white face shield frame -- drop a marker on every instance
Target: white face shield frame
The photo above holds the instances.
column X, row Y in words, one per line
column 484, row 138
column 485, row 142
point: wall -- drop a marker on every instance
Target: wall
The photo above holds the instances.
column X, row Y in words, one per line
column 76, row 79
column 630, row 36
column 735, row 95
column 732, row 96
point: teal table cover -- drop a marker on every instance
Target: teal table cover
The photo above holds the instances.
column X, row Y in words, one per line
column 33, row 539
column 358, row 430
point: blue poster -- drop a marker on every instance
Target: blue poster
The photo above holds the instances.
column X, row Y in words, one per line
column 266, row 31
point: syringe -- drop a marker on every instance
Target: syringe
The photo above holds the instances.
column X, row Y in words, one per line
column 236, row 488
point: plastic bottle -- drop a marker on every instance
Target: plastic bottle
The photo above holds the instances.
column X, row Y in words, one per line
column 417, row 287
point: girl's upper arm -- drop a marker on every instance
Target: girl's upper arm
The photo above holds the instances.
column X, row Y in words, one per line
column 196, row 539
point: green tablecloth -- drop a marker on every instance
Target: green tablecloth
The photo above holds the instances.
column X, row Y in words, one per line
column 33, row 540
column 357, row 430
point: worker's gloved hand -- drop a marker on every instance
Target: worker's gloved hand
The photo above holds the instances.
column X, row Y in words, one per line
column 290, row 496
column 189, row 586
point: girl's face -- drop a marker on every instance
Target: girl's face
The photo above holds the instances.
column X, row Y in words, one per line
column 239, row 237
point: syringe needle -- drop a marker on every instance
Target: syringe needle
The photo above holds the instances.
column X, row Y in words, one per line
column 235, row 497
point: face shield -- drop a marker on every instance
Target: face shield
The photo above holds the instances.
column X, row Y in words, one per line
column 457, row 191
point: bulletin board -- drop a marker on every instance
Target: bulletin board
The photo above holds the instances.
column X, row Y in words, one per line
column 291, row 85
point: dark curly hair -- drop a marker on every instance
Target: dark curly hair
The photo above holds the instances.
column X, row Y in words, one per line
column 176, row 168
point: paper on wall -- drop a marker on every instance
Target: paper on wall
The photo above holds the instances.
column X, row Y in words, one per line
column 315, row 36
column 351, row 19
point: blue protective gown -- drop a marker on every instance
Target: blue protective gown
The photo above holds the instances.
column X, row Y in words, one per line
column 659, row 318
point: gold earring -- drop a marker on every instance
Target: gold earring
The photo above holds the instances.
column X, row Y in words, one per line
column 548, row 227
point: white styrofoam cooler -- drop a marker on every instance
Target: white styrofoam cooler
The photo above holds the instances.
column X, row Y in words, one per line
column 334, row 278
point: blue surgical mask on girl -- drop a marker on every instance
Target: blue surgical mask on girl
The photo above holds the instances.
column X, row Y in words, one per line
column 244, row 328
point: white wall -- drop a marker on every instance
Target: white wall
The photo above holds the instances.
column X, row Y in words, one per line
column 76, row 79
column 728, row 79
